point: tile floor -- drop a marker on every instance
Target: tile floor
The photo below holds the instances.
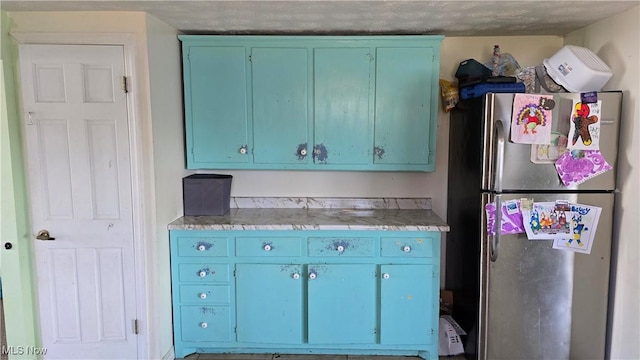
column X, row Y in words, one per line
column 303, row 357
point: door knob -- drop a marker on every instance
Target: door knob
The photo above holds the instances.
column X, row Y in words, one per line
column 44, row 235
column 8, row 246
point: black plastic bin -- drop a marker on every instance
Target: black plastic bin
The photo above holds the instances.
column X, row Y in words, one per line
column 206, row 194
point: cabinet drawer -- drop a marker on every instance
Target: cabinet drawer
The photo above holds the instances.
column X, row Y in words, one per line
column 204, row 294
column 205, row 323
column 203, row 246
column 268, row 246
column 204, row 273
column 339, row 246
column 421, row 247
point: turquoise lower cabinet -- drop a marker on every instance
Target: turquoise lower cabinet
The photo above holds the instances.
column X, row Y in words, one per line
column 305, row 291
column 406, row 295
column 269, row 303
column 342, row 304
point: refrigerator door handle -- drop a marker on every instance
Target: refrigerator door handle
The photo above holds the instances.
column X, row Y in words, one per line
column 499, row 155
column 494, row 243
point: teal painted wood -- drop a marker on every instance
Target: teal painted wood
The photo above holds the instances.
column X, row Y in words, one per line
column 406, row 247
column 269, row 300
column 268, row 246
column 342, row 304
column 407, row 304
column 404, row 89
column 341, row 246
column 328, row 323
column 204, row 294
column 215, row 106
column 205, row 323
column 280, row 105
column 338, row 117
column 202, row 246
column 341, row 97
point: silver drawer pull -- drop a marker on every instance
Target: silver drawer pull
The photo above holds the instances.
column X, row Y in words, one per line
column 406, row 248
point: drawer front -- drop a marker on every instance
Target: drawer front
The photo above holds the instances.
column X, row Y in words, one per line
column 203, row 246
column 203, row 273
column 205, row 294
column 205, row 323
column 268, row 246
column 410, row 247
column 341, row 246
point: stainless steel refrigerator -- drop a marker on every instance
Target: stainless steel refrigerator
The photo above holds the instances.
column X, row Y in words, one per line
column 520, row 298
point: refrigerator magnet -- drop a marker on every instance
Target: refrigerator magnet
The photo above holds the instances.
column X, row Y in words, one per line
column 531, row 119
column 584, row 131
column 549, row 153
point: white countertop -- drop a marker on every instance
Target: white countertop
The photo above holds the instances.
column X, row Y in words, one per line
column 320, row 214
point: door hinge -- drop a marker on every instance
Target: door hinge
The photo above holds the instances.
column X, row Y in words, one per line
column 135, row 326
column 250, row 57
column 125, row 84
column 432, row 331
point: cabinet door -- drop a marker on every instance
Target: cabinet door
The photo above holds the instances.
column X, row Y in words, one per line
column 408, row 307
column 280, row 105
column 215, row 106
column 342, row 304
column 269, row 303
column 403, row 106
column 342, row 130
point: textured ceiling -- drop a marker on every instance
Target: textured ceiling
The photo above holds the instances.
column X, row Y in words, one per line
column 448, row 17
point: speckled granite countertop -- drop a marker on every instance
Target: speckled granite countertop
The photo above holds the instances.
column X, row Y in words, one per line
column 320, row 214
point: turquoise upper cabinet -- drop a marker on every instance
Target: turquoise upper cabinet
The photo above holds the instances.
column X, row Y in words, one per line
column 404, row 89
column 311, row 102
column 341, row 93
column 216, row 114
column 280, row 105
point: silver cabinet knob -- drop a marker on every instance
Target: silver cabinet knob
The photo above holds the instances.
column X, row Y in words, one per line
column 266, row 247
column 312, row 276
column 202, row 273
column 201, row 248
column 406, row 248
column 385, row 276
column 303, row 152
column 203, row 296
column 340, row 248
column 243, row 150
column 203, row 325
column 296, row 276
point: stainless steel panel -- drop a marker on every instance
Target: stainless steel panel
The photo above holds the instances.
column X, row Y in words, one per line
column 519, row 172
column 542, row 303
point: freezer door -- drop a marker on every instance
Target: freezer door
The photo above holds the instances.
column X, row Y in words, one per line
column 537, row 302
column 519, row 172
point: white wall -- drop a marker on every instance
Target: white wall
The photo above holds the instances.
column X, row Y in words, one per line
column 617, row 42
column 133, row 23
column 169, row 164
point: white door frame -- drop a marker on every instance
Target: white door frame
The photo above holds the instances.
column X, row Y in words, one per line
column 141, row 228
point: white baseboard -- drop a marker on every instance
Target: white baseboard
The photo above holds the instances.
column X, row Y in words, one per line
column 170, row 355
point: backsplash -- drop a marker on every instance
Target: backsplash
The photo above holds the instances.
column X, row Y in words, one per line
column 330, row 203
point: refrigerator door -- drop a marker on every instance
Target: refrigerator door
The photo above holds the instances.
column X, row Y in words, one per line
column 520, row 173
column 537, row 302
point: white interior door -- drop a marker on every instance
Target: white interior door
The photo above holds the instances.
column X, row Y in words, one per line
column 77, row 148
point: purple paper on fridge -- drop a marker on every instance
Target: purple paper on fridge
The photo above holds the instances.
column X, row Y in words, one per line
column 584, row 222
column 511, row 218
column 577, row 166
